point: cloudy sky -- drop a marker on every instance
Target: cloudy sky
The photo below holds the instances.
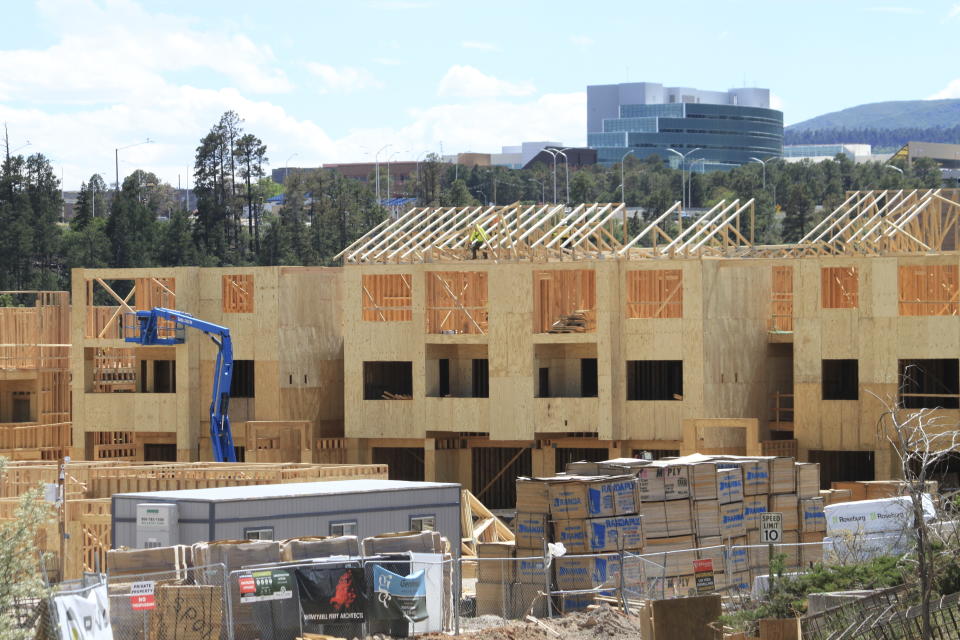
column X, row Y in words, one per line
column 333, row 81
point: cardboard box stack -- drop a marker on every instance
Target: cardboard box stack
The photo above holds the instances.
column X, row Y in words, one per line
column 665, row 509
column 594, row 513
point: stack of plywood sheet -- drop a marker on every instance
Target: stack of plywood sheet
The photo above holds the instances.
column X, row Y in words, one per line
column 593, row 516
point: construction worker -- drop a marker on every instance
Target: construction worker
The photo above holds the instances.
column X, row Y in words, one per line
column 478, row 238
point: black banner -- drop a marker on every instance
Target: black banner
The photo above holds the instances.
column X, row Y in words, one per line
column 333, row 599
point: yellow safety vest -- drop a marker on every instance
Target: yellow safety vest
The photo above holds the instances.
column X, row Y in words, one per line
column 478, row 235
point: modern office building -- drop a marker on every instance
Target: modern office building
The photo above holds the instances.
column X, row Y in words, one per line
column 820, row 152
column 720, row 129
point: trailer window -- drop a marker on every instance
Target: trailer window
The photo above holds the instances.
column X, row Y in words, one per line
column 423, row 523
column 343, row 528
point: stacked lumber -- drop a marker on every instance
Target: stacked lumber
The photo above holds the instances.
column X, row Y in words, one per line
column 594, row 516
column 576, row 322
column 103, row 478
column 876, row 489
column 386, row 395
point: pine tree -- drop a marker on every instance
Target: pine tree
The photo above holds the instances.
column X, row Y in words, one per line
column 251, row 154
column 132, row 225
column 91, row 202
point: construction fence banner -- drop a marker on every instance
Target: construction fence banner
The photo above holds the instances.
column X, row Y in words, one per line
column 83, row 614
column 399, row 594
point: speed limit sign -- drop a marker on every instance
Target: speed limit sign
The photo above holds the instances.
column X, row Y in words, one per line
column 771, row 528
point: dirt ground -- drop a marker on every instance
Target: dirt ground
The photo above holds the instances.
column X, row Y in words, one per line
column 601, row 623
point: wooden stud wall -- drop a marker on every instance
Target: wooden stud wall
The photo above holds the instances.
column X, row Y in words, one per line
column 561, row 292
column 656, row 293
column 929, row 290
column 781, row 299
column 839, row 287
column 114, row 370
column 456, row 302
column 237, row 293
column 387, row 298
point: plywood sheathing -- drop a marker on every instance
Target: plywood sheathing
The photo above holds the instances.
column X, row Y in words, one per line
column 457, row 302
column 297, row 354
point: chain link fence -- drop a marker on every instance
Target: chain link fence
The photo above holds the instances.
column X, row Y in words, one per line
column 399, row 594
column 186, row 604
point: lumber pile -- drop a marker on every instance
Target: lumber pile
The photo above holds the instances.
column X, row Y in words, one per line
column 672, row 511
column 479, row 525
column 102, row 479
column 395, row 396
column 576, row 322
column 876, row 489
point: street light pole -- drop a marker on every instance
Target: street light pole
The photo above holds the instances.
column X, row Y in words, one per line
column 683, row 160
column 566, row 169
column 286, row 167
column 116, row 160
column 553, row 153
column 389, row 158
column 376, row 164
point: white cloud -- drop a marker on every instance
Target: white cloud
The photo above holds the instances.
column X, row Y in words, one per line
column 107, row 50
column 482, row 46
column 952, row 90
column 776, row 102
column 342, row 79
column 482, row 127
column 900, row 10
column 401, row 5
column 954, row 12
column 581, row 40
column 389, row 62
column 82, row 96
column 469, row 82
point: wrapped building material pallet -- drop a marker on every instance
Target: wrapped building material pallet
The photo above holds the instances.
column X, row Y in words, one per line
column 873, row 516
column 788, row 505
column 811, row 515
column 305, row 548
column 753, row 506
column 808, row 479
column 132, row 562
column 678, row 563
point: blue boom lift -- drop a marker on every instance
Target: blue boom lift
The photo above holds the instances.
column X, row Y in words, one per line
column 148, row 333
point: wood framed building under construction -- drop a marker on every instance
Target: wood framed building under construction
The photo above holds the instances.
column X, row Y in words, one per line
column 566, row 338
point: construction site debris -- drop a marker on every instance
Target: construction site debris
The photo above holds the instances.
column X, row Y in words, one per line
column 575, row 322
column 598, row 622
column 395, row 396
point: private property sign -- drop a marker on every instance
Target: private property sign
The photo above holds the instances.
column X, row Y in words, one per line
column 771, row 528
column 141, row 596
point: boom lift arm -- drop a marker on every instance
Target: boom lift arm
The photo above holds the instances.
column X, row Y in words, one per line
column 148, row 325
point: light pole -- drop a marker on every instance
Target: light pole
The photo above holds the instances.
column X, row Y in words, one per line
column 376, row 163
column 566, row 170
column 895, row 168
column 554, row 153
column 116, row 160
column 286, row 167
column 623, row 187
column 388, row 169
column 763, row 163
column 683, row 159
column 23, row 146
column 703, row 165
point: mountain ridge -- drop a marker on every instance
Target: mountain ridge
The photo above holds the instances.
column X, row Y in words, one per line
column 893, row 114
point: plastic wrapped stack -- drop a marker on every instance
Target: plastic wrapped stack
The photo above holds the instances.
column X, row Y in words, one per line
column 673, row 512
